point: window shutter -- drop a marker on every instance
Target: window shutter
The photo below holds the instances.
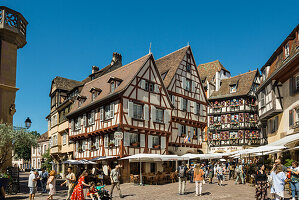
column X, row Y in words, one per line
column 200, row 109
column 112, row 110
column 150, row 141
column 181, row 102
column 102, row 113
column 79, row 122
column 92, row 116
column 187, row 130
column 84, row 120
column 188, row 105
column 179, row 129
column 276, row 123
column 192, row 132
column 77, row 146
column 195, row 108
column 97, row 142
column 291, row 86
column 193, row 86
column 142, row 140
column 72, row 125
column 184, row 83
column 89, row 143
column 142, row 84
column 163, row 142
column 153, row 113
column 173, row 100
column 130, row 109
column 291, row 121
column 126, row 139
column 198, row 133
column 146, row 112
column 84, row 145
column 106, row 140
column 156, row 88
column 166, row 116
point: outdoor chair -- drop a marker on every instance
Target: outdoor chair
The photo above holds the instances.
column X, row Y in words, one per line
column 173, row 177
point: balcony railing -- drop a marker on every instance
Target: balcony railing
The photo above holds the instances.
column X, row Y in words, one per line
column 15, row 22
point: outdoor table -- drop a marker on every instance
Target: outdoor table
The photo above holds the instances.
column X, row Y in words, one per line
column 150, row 178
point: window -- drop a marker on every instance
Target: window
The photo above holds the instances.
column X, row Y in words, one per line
column 159, row 115
column 198, row 111
column 149, row 86
column 80, row 102
column 183, row 129
column 112, row 86
column 291, row 118
column 297, row 83
column 53, row 101
column 107, row 112
column 90, row 118
column 233, row 88
column 188, row 84
column 188, row 67
column 94, row 95
column 286, row 50
column 134, row 139
column 153, row 167
column 156, row 141
column 64, row 139
column 263, row 98
column 185, row 104
column 78, row 123
column 137, row 111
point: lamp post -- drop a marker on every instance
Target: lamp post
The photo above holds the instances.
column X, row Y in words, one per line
column 28, row 123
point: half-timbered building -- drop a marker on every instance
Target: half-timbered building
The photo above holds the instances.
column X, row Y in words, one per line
column 278, row 94
column 123, row 112
column 233, row 114
column 189, row 116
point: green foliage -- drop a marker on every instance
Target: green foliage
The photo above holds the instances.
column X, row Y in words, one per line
column 288, row 162
column 47, row 160
column 18, row 140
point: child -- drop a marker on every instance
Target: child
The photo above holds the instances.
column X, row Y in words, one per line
column 93, row 192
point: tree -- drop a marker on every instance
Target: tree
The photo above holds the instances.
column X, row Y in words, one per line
column 47, row 160
column 16, row 140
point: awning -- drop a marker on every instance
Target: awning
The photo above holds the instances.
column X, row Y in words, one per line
column 286, row 140
column 103, row 158
column 79, row 162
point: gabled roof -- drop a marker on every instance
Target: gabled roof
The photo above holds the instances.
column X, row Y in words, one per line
column 244, row 84
column 208, row 70
column 43, row 137
column 65, row 83
column 170, row 63
column 126, row 73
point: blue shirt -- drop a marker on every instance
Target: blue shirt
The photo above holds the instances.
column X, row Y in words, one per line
column 278, row 182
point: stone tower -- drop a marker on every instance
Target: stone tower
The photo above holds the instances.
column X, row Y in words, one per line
column 12, row 36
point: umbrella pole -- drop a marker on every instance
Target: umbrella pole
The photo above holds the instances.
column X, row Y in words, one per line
column 140, row 172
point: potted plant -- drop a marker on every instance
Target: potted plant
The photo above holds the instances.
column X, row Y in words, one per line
column 80, row 149
column 93, row 147
column 111, row 144
column 4, row 179
column 157, row 146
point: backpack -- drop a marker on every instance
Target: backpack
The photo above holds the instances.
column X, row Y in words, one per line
column 182, row 172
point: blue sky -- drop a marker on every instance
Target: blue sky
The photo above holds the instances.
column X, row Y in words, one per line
column 65, row 38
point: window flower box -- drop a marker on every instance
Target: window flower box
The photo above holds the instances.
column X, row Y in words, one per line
column 80, row 150
column 111, row 145
column 136, row 144
column 156, row 146
column 93, row 148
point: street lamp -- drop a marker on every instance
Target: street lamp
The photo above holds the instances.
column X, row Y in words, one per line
column 28, row 123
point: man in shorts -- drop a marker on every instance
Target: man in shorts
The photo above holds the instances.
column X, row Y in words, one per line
column 32, row 183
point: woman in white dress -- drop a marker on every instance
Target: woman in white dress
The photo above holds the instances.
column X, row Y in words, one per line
column 278, row 182
column 52, row 184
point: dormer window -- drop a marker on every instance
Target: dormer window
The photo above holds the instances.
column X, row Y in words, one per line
column 81, row 100
column 233, row 88
column 94, row 93
column 286, row 50
column 114, row 83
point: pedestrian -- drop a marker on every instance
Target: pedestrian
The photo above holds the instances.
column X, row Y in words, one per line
column 294, row 182
column 198, row 178
column 93, row 192
column 278, row 162
column 231, row 171
column 70, row 182
column 78, row 190
column 182, row 174
column 32, row 184
column 191, row 173
column 52, row 184
column 211, row 173
column 115, row 180
column 278, row 181
column 239, row 173
column 261, row 183
column 219, row 171
column 44, row 178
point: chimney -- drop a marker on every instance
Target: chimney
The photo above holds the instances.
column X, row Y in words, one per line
column 116, row 59
column 94, row 69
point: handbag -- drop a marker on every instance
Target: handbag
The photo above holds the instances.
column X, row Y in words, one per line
column 270, row 180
